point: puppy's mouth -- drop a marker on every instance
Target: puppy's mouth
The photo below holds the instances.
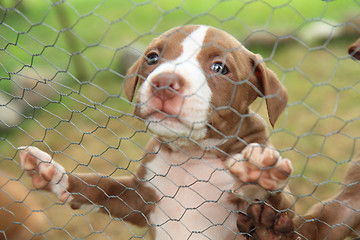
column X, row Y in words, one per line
column 156, row 109
column 162, row 116
column 168, row 125
column 158, row 116
column 177, row 117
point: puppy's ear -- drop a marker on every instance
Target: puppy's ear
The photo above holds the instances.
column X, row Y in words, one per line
column 354, row 49
column 271, row 89
column 132, row 79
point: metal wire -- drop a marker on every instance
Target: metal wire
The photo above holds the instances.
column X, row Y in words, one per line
column 62, row 65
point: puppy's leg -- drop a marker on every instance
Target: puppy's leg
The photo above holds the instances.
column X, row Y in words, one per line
column 125, row 197
column 261, row 173
column 334, row 219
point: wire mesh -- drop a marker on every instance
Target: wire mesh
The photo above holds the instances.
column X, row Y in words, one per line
column 61, row 89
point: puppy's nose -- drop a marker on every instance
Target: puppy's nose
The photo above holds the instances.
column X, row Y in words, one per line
column 167, row 85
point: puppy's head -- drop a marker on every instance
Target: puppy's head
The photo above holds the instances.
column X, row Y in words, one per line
column 193, row 80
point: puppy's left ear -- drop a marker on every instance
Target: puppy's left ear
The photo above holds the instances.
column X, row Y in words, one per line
column 271, row 89
column 132, row 79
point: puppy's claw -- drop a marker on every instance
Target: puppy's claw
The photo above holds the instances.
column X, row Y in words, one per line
column 243, row 223
column 284, row 224
column 268, row 215
column 254, row 212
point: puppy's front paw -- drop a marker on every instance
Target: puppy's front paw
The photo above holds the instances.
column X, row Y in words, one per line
column 45, row 172
column 262, row 166
column 264, row 222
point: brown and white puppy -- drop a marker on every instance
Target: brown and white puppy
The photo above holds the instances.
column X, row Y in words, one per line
column 195, row 84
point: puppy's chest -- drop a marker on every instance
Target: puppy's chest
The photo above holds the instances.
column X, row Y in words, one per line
column 194, row 195
column 178, row 175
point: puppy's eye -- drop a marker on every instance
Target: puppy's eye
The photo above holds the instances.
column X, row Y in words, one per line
column 153, row 59
column 219, row 67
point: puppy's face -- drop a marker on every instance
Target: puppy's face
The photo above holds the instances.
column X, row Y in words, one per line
column 195, row 79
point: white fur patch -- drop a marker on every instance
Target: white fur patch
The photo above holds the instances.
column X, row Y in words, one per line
column 195, row 196
column 197, row 96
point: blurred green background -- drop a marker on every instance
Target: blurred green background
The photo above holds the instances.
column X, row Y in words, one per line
column 62, row 65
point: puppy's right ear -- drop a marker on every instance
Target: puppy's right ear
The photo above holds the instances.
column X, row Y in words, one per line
column 132, row 79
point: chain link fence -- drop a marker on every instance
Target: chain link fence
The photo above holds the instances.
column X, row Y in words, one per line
column 62, row 65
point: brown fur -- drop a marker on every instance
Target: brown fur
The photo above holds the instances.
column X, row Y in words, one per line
column 334, row 219
column 338, row 217
column 110, row 193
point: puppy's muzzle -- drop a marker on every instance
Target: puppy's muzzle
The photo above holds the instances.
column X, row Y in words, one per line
column 166, row 86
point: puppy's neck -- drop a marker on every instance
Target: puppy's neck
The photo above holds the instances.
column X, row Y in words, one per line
column 230, row 138
column 191, row 145
column 251, row 129
column 237, row 133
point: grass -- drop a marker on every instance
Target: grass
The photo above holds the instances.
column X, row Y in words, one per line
column 75, row 49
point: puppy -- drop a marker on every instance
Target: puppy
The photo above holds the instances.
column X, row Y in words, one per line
column 195, row 84
column 334, row 219
column 17, row 219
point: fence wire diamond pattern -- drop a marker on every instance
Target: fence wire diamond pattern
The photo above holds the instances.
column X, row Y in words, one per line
column 62, row 69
